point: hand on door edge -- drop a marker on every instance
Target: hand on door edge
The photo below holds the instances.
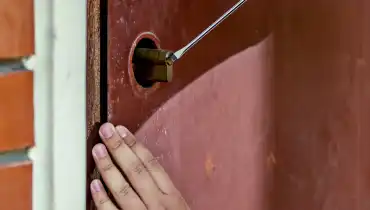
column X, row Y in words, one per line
column 143, row 183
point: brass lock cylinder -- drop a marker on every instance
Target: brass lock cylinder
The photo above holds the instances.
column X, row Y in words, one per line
column 152, row 65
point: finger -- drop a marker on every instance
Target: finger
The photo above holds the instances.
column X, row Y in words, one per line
column 131, row 165
column 122, row 192
column 155, row 169
column 100, row 197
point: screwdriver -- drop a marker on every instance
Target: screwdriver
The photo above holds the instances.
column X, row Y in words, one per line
column 179, row 53
column 166, row 58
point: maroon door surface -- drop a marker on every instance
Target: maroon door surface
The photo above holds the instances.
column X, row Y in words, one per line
column 322, row 104
column 270, row 111
column 210, row 127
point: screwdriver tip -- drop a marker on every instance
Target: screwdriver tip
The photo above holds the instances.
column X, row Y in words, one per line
column 171, row 58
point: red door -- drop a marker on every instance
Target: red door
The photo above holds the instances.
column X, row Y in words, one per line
column 211, row 125
column 267, row 112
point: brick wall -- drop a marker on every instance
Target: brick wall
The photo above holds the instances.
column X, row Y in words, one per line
column 16, row 104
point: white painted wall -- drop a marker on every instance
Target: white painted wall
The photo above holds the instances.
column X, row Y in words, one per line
column 59, row 100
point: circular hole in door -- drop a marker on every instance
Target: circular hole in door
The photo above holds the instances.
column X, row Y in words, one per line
column 141, row 87
column 141, row 67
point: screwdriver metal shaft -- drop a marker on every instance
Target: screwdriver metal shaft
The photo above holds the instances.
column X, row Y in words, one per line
column 178, row 54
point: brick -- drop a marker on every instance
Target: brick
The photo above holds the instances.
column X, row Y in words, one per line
column 16, row 186
column 16, row 110
column 17, row 28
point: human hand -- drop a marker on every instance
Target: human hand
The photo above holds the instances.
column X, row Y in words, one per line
column 144, row 185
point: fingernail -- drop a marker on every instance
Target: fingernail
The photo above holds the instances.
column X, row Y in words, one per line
column 106, row 130
column 100, row 151
column 122, row 131
column 96, row 186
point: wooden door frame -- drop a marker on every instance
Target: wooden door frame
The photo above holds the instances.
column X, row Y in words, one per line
column 96, row 67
